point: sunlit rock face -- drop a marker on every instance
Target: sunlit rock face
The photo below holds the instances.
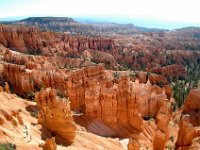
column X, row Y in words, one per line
column 94, row 91
column 154, row 133
column 11, row 117
column 99, row 100
column 192, row 106
column 116, row 51
column 117, row 104
column 55, row 114
column 32, row 40
column 189, row 131
column 50, row 144
column 188, row 136
column 171, row 71
column 122, row 105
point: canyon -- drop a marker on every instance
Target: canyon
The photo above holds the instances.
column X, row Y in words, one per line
column 96, row 92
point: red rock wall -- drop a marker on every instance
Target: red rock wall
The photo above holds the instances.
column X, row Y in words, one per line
column 192, row 106
column 170, row 71
column 32, row 40
column 93, row 92
column 188, row 136
column 55, row 114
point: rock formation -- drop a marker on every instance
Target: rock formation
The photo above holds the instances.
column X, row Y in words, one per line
column 110, row 103
column 55, row 114
column 122, row 104
column 192, row 106
column 32, row 40
column 6, row 88
column 89, row 90
column 118, row 103
column 171, row 71
column 16, row 113
column 50, row 144
column 187, row 134
column 189, row 131
column 154, row 133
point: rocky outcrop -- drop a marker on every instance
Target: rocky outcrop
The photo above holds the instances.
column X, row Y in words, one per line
column 50, row 144
column 6, row 88
column 25, row 81
column 171, row 71
column 189, row 131
column 187, row 134
column 159, row 80
column 15, row 73
column 55, row 114
column 115, row 51
column 95, row 93
column 105, row 102
column 154, row 133
column 30, row 135
column 41, row 62
column 12, row 118
column 32, row 40
column 154, row 79
column 99, row 57
column 142, row 76
column 192, row 106
column 118, row 103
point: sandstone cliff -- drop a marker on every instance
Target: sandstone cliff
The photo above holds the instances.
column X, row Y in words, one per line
column 188, row 136
column 192, row 106
column 32, row 40
column 171, row 71
column 55, row 114
column 189, row 131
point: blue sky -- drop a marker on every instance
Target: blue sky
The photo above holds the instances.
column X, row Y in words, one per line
column 184, row 11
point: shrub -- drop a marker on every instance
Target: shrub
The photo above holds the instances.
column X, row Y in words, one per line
column 148, row 118
column 39, row 87
column 160, row 84
column 60, row 95
column 172, row 138
column 168, row 147
column 143, row 66
column 31, row 95
column 116, row 75
column 34, row 114
column 7, row 146
column 132, row 75
column 42, row 85
column 180, row 92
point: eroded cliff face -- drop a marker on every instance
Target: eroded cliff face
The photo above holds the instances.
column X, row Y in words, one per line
column 154, row 133
column 19, row 126
column 192, row 106
column 55, row 114
column 189, row 130
column 171, row 71
column 32, row 40
column 109, row 104
column 49, row 144
column 16, row 122
column 132, row 52
column 118, row 103
column 188, row 136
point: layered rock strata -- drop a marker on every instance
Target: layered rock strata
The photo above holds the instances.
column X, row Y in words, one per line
column 55, row 114
column 32, row 40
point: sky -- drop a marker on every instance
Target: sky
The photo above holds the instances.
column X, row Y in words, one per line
column 186, row 11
